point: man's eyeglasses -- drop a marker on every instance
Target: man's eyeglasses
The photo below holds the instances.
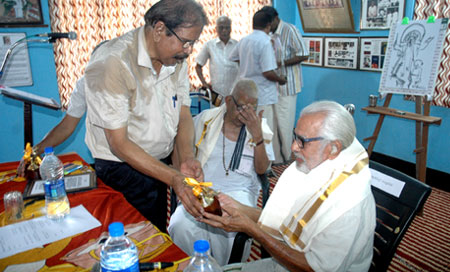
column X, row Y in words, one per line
column 301, row 141
column 186, row 43
column 240, row 107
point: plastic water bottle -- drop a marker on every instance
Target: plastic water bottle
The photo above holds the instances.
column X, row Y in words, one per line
column 202, row 261
column 118, row 253
column 52, row 172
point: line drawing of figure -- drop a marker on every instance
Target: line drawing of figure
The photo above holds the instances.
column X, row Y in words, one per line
column 408, row 47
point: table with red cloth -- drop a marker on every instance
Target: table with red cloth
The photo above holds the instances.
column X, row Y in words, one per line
column 80, row 252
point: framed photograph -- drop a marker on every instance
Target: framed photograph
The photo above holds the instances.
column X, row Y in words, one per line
column 20, row 13
column 341, row 52
column 334, row 16
column 372, row 53
column 315, row 50
column 381, row 14
column 73, row 183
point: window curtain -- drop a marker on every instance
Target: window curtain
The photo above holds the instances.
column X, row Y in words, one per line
column 439, row 9
column 98, row 20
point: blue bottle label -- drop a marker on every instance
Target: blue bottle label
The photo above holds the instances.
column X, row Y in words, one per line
column 133, row 268
column 55, row 189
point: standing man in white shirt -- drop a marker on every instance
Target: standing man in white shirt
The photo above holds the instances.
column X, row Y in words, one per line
column 137, row 94
column 290, row 52
column 256, row 58
column 222, row 71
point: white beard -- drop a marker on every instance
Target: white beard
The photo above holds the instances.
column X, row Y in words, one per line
column 302, row 167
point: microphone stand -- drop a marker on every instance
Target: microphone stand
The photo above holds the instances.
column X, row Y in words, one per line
column 28, row 100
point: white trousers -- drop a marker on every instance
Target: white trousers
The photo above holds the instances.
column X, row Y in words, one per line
column 284, row 121
column 185, row 230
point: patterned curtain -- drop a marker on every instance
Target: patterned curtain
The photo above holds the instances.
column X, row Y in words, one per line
column 439, row 9
column 98, row 20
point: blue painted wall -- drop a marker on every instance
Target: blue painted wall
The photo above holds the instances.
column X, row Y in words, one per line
column 397, row 136
column 345, row 86
column 44, row 84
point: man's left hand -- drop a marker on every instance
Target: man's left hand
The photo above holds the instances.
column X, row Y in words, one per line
column 192, row 168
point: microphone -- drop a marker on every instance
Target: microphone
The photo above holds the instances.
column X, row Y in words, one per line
column 59, row 35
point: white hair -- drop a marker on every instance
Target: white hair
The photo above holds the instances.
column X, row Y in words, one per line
column 338, row 123
column 246, row 86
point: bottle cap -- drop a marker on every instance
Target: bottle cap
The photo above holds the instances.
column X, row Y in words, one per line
column 48, row 149
column 201, row 246
column 116, row 229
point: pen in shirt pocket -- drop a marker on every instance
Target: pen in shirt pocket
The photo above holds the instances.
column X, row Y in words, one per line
column 174, row 98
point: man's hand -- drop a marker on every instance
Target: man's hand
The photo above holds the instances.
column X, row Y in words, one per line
column 232, row 219
column 186, row 196
column 207, row 85
column 282, row 80
column 192, row 168
column 252, row 121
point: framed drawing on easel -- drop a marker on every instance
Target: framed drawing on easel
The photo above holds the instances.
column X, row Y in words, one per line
column 413, row 57
column 411, row 65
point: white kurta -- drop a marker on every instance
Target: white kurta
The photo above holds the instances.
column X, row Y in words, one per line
column 339, row 236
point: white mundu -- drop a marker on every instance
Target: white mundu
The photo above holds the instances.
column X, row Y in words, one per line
column 333, row 200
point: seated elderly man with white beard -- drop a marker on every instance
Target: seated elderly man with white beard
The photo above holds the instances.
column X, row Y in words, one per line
column 321, row 214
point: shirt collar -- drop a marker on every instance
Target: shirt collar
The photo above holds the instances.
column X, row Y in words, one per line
column 280, row 25
column 144, row 58
column 219, row 41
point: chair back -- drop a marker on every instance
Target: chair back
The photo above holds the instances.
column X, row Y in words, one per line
column 198, row 104
column 394, row 214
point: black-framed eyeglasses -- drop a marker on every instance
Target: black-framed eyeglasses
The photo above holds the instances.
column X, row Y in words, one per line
column 301, row 141
column 186, row 43
column 240, row 107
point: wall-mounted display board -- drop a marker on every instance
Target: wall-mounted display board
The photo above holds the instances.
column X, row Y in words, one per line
column 372, row 53
column 315, row 45
column 341, row 52
column 381, row 14
column 326, row 16
column 413, row 56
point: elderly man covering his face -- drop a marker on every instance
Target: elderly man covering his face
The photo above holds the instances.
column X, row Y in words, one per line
column 321, row 214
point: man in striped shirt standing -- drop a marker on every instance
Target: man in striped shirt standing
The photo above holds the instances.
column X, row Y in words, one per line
column 290, row 51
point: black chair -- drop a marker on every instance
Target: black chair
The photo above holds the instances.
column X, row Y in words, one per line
column 394, row 214
column 199, row 95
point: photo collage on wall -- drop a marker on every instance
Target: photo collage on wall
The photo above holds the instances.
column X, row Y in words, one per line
column 364, row 53
column 381, row 14
column 341, row 53
column 315, row 51
column 373, row 53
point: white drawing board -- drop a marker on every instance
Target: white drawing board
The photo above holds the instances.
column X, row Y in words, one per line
column 413, row 57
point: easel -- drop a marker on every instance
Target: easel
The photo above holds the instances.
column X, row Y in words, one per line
column 423, row 120
column 421, row 116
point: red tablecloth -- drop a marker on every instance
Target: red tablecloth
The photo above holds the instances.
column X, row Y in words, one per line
column 80, row 252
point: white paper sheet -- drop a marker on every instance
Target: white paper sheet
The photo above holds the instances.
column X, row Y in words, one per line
column 387, row 183
column 37, row 232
